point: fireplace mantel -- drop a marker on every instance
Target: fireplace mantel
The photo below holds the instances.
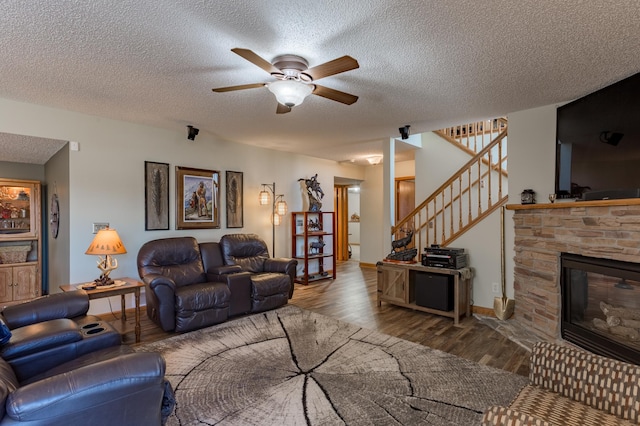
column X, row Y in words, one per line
column 574, row 204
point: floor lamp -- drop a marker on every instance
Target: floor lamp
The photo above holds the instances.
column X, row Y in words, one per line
column 278, row 209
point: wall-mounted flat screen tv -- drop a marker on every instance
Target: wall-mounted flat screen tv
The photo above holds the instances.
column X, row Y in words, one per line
column 598, row 144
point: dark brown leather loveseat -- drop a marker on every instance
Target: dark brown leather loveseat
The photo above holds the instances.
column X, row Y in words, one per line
column 191, row 285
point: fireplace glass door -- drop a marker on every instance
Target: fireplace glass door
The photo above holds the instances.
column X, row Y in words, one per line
column 601, row 305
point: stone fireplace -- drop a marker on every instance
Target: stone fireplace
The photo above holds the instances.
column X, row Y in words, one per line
column 607, row 229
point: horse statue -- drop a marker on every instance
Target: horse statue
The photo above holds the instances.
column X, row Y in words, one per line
column 316, row 246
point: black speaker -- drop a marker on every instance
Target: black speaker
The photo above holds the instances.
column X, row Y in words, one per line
column 192, row 132
column 433, row 291
column 404, row 131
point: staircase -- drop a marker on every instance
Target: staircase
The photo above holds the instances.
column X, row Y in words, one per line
column 477, row 189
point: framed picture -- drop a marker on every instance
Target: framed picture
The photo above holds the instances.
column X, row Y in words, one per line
column 197, row 198
column 156, row 196
column 234, row 200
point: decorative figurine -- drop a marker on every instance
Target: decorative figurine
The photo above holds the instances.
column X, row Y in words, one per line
column 314, row 193
column 528, row 196
column 399, row 250
column 316, row 246
column 314, row 225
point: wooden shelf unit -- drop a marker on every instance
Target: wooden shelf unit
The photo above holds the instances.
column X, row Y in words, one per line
column 315, row 261
column 20, row 218
column 397, row 287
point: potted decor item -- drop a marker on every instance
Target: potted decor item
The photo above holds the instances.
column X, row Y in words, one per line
column 528, row 196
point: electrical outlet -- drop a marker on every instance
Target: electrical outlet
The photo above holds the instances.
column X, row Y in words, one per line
column 495, row 287
column 98, row 226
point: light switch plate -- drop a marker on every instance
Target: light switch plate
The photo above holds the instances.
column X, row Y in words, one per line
column 99, row 225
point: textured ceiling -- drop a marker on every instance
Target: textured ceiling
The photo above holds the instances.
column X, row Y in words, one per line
column 427, row 63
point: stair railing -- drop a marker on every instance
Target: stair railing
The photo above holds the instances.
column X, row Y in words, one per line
column 477, row 189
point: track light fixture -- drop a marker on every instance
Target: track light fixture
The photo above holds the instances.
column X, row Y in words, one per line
column 404, row 131
column 192, row 132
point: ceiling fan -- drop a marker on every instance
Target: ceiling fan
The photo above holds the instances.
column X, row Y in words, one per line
column 295, row 80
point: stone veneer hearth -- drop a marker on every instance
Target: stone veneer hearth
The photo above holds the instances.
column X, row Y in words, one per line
column 606, row 229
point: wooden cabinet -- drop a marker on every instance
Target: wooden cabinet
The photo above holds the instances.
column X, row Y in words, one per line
column 20, row 240
column 18, row 283
column 313, row 243
column 397, row 285
column 393, row 283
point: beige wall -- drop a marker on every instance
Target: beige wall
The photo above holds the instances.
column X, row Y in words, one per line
column 106, row 181
column 531, row 147
column 21, row 171
column 57, row 182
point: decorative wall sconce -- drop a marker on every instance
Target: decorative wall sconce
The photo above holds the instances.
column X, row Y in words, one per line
column 278, row 209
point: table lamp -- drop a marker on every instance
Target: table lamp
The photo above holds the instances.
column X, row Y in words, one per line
column 107, row 242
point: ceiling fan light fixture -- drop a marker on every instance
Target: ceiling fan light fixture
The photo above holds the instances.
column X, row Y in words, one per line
column 290, row 92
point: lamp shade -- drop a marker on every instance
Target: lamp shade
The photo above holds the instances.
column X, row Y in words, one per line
column 106, row 241
column 264, row 198
column 290, row 92
column 276, row 219
column 281, row 207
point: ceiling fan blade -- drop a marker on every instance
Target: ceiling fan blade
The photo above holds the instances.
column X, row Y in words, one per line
column 345, row 63
column 335, row 95
column 282, row 109
column 240, row 87
column 256, row 60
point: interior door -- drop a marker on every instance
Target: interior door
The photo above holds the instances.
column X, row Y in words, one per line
column 405, row 197
column 341, row 207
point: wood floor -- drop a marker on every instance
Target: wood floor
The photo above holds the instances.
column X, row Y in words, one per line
column 351, row 297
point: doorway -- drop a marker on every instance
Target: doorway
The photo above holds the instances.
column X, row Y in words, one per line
column 347, row 208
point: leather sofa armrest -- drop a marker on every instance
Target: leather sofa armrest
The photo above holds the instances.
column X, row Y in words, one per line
column 279, row 264
column 157, row 280
column 59, row 305
column 239, row 282
column 504, row 416
column 40, row 337
column 161, row 301
column 163, row 287
column 224, row 270
column 95, row 394
column 284, row 265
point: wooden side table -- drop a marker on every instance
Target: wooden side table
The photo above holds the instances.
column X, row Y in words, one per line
column 131, row 286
